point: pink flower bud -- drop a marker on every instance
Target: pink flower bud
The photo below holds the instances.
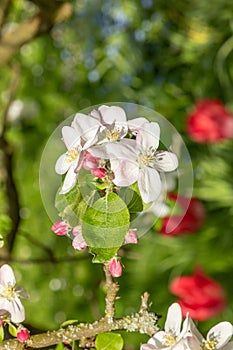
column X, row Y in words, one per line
column 77, row 230
column 115, row 268
column 23, row 335
column 90, row 162
column 60, row 228
column 131, row 237
column 79, row 242
column 99, row 172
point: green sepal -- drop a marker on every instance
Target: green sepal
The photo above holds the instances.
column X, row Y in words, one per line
column 109, row 341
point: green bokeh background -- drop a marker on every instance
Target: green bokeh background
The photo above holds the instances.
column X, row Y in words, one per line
column 163, row 55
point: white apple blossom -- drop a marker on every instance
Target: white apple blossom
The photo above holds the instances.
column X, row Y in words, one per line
column 218, row 337
column 139, row 161
column 78, row 138
column 114, row 123
column 9, row 295
column 173, row 336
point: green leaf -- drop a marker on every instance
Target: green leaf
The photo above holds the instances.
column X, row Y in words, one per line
column 132, row 199
column 12, row 330
column 103, row 254
column 1, row 334
column 109, row 341
column 105, row 226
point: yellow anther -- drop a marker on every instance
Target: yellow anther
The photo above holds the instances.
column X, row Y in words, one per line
column 71, row 155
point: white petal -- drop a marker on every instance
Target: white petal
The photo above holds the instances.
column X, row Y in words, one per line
column 70, row 137
column 113, row 114
column 7, row 275
column 62, row 165
column 122, row 150
column 148, row 136
column 195, row 332
column 165, row 161
column 125, row 172
column 159, row 209
column 222, row 332
column 17, row 311
column 174, row 319
column 69, row 181
column 87, row 127
column 136, row 124
column 149, row 184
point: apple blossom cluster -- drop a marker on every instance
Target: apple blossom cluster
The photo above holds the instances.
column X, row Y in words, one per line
column 130, row 146
column 108, row 155
column 187, row 337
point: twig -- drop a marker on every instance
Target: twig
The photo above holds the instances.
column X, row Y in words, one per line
column 112, row 289
column 143, row 322
column 56, row 260
column 4, row 9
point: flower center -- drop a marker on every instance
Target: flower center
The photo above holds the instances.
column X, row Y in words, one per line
column 169, row 339
column 113, row 134
column 9, row 292
column 146, row 158
column 209, row 344
column 71, row 155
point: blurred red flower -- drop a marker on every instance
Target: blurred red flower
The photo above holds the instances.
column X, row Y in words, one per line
column 210, row 122
column 199, row 295
column 191, row 221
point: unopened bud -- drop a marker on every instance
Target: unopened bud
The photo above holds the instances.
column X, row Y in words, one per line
column 115, row 268
column 131, row 237
column 99, row 172
column 23, row 335
column 60, row 228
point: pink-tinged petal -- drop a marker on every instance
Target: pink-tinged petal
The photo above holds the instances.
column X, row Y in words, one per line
column 149, row 135
column 125, row 173
column 69, row 181
column 23, row 335
column 131, row 237
column 77, row 230
column 62, row 166
column 136, row 124
column 60, row 228
column 125, row 149
column 222, row 333
column 149, row 184
column 70, row 137
column 7, row 275
column 193, row 343
column 79, row 243
column 174, row 319
column 113, row 114
column 16, row 310
column 165, row 161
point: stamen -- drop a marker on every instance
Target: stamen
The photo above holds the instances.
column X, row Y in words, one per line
column 146, row 158
column 209, row 344
column 9, row 292
column 169, row 339
column 113, row 134
column 71, row 155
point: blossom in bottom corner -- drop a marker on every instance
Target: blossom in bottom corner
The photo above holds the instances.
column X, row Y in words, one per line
column 174, row 336
column 218, row 337
column 10, row 294
column 199, row 295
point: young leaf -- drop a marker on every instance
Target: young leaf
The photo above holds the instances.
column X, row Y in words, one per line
column 105, row 225
column 109, row 341
column 12, row 330
column 1, row 334
column 60, row 346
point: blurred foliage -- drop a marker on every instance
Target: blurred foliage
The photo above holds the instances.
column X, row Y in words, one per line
column 164, row 55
